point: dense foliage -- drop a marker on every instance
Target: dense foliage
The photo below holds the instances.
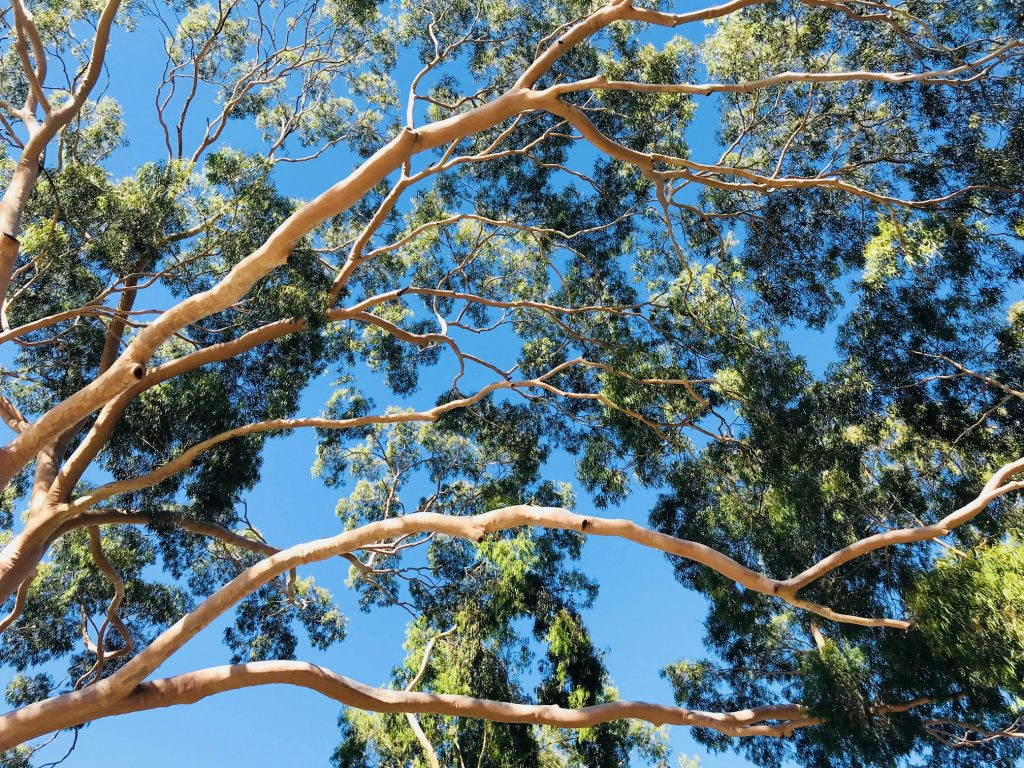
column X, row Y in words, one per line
column 623, row 270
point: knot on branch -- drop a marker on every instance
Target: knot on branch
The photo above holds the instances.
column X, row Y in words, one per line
column 784, row 591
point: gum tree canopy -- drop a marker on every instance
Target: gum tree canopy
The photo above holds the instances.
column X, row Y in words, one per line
column 558, row 229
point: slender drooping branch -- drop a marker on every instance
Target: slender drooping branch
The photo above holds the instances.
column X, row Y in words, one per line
column 411, row 718
column 961, row 75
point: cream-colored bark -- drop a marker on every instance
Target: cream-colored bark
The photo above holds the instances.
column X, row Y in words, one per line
column 124, row 376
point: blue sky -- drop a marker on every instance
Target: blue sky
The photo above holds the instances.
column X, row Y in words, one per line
column 642, row 618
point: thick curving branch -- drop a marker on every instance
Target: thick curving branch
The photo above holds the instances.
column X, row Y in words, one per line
column 771, row 720
column 62, row 711
column 274, row 252
column 110, row 390
column 100, row 699
column 19, row 601
column 706, row 175
column 1000, row 484
column 128, row 374
column 26, row 172
column 130, row 366
column 778, row 720
column 25, row 26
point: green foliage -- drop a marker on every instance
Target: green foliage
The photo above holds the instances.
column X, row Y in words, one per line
column 694, row 386
column 968, row 611
column 835, row 688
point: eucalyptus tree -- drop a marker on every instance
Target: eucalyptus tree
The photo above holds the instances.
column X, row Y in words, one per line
column 531, row 259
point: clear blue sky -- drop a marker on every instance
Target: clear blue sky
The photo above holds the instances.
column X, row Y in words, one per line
column 642, row 618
